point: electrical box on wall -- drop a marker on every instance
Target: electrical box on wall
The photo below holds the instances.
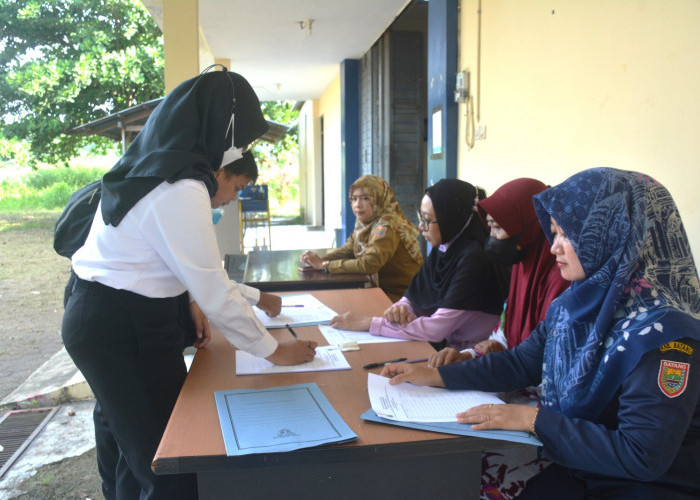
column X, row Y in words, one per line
column 462, row 86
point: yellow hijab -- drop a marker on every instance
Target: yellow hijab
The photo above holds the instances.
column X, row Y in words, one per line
column 386, row 213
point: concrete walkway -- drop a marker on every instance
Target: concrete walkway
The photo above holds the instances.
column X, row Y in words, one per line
column 69, row 433
column 55, row 382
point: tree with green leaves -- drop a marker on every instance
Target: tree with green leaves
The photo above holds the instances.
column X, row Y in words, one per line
column 67, row 62
column 279, row 163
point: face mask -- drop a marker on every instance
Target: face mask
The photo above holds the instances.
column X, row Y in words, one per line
column 233, row 153
column 504, row 252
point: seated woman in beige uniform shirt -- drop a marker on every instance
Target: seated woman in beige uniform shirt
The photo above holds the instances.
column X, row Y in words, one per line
column 384, row 243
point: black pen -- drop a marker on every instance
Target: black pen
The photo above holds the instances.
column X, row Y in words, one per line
column 291, row 331
column 421, row 360
column 382, row 363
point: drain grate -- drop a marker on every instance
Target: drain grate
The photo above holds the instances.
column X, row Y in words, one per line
column 17, row 430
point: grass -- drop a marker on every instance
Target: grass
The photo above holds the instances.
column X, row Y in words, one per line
column 47, row 480
column 32, row 198
column 43, row 190
column 45, row 219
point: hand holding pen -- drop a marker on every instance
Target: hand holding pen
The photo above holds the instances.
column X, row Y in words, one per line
column 294, row 352
column 270, row 303
column 294, row 334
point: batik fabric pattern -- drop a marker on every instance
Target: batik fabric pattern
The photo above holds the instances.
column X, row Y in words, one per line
column 387, row 212
column 640, row 291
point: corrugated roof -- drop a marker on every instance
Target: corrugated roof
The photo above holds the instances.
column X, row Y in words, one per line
column 125, row 125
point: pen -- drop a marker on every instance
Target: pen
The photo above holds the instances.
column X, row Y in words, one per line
column 421, row 360
column 291, row 331
column 292, row 305
column 382, row 363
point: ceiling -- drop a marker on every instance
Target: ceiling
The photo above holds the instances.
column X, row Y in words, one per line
column 273, row 45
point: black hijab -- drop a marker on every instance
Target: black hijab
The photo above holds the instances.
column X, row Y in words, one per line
column 184, row 138
column 462, row 277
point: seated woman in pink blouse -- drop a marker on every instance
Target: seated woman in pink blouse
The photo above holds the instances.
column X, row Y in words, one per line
column 456, row 297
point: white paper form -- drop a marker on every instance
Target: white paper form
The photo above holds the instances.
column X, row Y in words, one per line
column 301, row 309
column 278, row 419
column 336, row 336
column 327, row 358
column 411, row 403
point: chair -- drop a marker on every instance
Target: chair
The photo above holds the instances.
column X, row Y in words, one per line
column 254, row 212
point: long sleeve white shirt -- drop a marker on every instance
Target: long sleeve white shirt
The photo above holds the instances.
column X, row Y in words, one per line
column 165, row 245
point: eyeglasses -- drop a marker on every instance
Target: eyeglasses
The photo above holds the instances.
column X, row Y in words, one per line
column 422, row 221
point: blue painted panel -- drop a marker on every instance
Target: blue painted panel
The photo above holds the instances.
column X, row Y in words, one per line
column 442, row 69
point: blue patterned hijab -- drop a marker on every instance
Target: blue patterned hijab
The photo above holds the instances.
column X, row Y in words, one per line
column 640, row 291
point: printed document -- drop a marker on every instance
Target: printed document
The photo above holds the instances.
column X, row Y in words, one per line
column 278, row 419
column 327, row 358
column 411, row 403
column 301, row 309
column 336, row 336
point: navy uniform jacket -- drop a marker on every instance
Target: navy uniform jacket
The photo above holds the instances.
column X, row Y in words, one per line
column 643, row 434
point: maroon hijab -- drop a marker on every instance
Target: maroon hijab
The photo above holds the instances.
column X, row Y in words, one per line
column 536, row 280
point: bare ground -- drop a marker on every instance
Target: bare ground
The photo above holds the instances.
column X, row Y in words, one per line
column 32, row 277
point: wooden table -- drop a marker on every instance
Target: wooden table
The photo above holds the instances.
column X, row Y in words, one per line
column 386, row 461
column 278, row 271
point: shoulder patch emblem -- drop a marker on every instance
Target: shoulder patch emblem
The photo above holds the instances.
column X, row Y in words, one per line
column 379, row 232
column 677, row 346
column 673, row 377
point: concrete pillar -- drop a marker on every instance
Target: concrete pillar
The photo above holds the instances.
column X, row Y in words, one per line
column 180, row 41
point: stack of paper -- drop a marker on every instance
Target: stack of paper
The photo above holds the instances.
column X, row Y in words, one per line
column 327, row 358
column 298, row 310
column 432, row 409
column 412, row 403
column 337, row 336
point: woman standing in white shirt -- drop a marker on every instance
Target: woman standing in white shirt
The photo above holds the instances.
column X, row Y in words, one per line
column 151, row 243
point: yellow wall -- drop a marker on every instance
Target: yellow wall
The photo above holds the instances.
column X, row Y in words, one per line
column 329, row 108
column 310, row 189
column 567, row 85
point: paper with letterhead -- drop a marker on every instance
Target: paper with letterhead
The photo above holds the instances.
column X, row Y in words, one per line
column 337, row 336
column 301, row 309
column 412, row 403
column 278, row 419
column 327, row 358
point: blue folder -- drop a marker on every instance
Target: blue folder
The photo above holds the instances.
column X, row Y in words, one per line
column 278, row 419
column 457, row 428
